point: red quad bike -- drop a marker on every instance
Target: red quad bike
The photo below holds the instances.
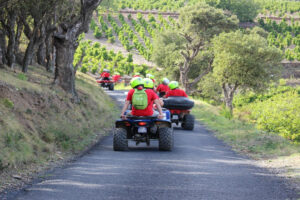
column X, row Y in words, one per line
column 180, row 111
column 106, row 82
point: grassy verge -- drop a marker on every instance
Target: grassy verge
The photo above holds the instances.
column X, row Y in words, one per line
column 39, row 123
column 243, row 137
column 271, row 151
column 121, row 86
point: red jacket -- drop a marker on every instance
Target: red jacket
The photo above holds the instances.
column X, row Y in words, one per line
column 176, row 92
column 105, row 75
column 162, row 88
column 116, row 78
column 149, row 110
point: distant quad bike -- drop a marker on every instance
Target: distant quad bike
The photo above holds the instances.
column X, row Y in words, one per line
column 106, row 83
column 144, row 129
column 180, row 111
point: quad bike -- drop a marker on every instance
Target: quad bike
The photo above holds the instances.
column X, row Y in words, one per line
column 184, row 117
column 180, row 111
column 106, row 83
column 144, row 129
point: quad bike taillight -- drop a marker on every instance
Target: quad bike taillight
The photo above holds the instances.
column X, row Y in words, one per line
column 142, row 123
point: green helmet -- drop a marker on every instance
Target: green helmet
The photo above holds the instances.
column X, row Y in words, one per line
column 173, row 85
column 148, row 83
column 136, row 82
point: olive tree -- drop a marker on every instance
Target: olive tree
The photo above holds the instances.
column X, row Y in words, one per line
column 197, row 25
column 243, row 61
column 73, row 23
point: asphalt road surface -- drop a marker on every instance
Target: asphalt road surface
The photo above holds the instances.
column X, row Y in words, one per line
column 199, row 167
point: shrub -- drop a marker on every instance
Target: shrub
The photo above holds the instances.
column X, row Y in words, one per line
column 225, row 112
column 84, row 69
column 8, row 103
column 94, row 69
column 130, row 58
column 22, row 77
column 112, row 39
column 93, row 24
column 279, row 114
column 97, row 33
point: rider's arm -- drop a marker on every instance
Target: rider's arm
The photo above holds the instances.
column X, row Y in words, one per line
column 124, row 109
column 156, row 101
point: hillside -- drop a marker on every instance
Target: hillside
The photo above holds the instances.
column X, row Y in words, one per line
column 40, row 125
column 133, row 32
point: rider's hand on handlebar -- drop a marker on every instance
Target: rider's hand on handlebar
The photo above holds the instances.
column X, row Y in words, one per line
column 160, row 116
column 123, row 116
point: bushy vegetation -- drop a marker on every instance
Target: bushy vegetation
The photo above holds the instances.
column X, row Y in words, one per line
column 284, row 36
column 243, row 137
column 97, row 57
column 273, row 7
column 279, row 7
column 246, row 10
column 276, row 111
column 133, row 34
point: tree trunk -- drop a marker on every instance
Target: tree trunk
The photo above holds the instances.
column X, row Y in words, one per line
column 11, row 57
column 28, row 55
column 1, row 56
column 64, row 71
column 41, row 53
column 228, row 91
column 2, row 48
column 184, row 75
column 65, row 42
column 49, row 54
column 18, row 35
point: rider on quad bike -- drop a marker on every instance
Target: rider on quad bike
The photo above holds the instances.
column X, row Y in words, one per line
column 151, row 77
column 105, row 80
column 138, row 86
column 175, row 91
column 143, row 124
column 105, row 74
column 178, row 104
column 116, row 77
column 148, row 84
column 163, row 88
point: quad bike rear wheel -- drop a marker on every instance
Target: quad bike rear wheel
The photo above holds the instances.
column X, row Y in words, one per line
column 111, row 86
column 188, row 122
column 120, row 142
column 166, row 139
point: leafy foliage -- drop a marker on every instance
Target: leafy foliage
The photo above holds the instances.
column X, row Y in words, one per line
column 97, row 58
column 243, row 61
column 284, row 36
column 276, row 110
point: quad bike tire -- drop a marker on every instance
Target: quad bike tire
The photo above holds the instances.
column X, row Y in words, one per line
column 111, row 86
column 166, row 139
column 178, row 103
column 120, row 142
column 188, row 122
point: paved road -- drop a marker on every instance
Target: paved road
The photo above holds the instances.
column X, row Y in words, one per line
column 199, row 167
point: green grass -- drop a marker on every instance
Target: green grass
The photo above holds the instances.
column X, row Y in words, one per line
column 32, row 134
column 7, row 103
column 243, row 137
column 121, row 86
column 22, row 77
